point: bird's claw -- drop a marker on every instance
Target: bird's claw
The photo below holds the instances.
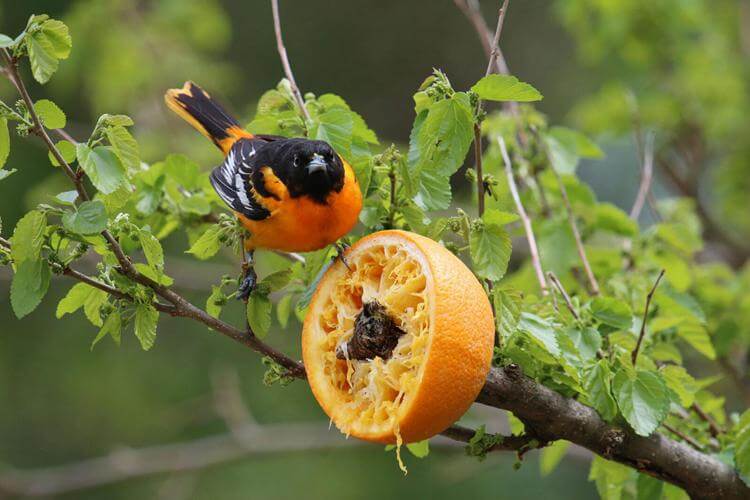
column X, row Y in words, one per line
column 341, row 249
column 248, row 284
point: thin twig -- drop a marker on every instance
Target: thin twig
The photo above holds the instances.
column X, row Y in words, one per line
column 556, row 282
column 634, row 354
column 495, row 51
column 593, row 284
column 285, row 60
column 692, row 442
column 535, row 261
column 647, row 174
column 520, row 443
column 470, row 9
column 713, row 427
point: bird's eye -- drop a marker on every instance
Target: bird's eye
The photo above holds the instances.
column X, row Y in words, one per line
column 296, row 160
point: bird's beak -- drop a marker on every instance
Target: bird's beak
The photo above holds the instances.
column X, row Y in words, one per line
column 317, row 164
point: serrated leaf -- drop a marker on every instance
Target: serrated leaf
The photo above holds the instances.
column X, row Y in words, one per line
column 681, row 383
column 28, row 237
column 208, row 244
column 124, row 146
column 505, row 88
column 540, row 330
column 610, row 218
column 697, row 336
column 146, row 318
column 642, row 398
column 83, row 295
column 507, row 311
column 742, row 447
column 112, row 326
column 610, row 478
column 598, row 388
column 215, row 301
column 649, row 488
column 278, row 280
column 58, row 36
column 566, row 147
column 151, row 249
column 490, row 249
column 102, row 166
column 50, row 113
column 41, row 56
column 587, row 341
column 29, row 286
column 612, row 312
column 283, row 310
column 4, row 141
column 89, row 218
column 259, row 313
column 552, row 455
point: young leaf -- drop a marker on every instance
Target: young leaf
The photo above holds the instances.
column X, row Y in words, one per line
column 124, row 146
column 28, row 237
column 490, row 248
column 89, row 218
column 420, row 449
column 215, row 301
column 29, row 286
column 612, row 312
column 66, row 149
column 151, row 249
column 112, row 326
column 284, row 309
column 505, row 88
column 540, row 330
column 4, row 141
column 643, row 399
column 6, row 41
column 552, row 455
column 278, row 280
column 742, row 447
column 51, row 115
column 102, row 166
column 697, row 336
column 42, row 57
column 597, row 385
column 508, row 311
column 208, row 244
column 259, row 313
column 146, row 318
column 83, row 295
column 587, row 341
column 681, row 383
column 566, row 147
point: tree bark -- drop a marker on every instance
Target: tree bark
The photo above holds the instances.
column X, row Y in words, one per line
column 550, row 416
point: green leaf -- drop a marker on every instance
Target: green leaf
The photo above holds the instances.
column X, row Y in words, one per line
column 89, row 218
column 83, row 295
column 612, row 312
column 610, row 478
column 154, row 274
column 681, row 383
column 490, row 248
column 540, row 330
column 196, row 204
column 112, row 326
column 208, row 244
column 28, row 237
column 50, row 113
column 505, row 88
column 29, row 286
column 610, row 218
column 643, row 399
column 58, row 36
column 284, row 309
column 552, row 455
column 649, row 488
column 4, row 141
column 102, row 166
column 420, row 449
column 151, row 249
column 566, row 147
column 587, row 341
column 67, row 151
column 6, row 41
column 115, row 120
column 6, row 173
column 508, row 311
column 146, row 318
column 215, row 301
column 597, row 385
column 335, row 127
column 67, row 197
column 697, row 336
column 259, row 313
column 124, row 146
column 42, row 57
column 278, row 280
column 742, row 447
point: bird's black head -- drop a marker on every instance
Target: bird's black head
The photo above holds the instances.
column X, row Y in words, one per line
column 306, row 167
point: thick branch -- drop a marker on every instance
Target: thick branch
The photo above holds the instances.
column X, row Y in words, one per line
column 551, row 416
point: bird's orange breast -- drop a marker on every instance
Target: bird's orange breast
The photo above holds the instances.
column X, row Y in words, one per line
column 301, row 224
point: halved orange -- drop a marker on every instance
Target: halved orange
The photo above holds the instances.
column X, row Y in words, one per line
column 398, row 344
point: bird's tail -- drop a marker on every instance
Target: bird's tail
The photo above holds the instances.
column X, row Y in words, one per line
column 196, row 107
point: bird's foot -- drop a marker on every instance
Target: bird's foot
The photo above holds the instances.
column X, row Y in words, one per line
column 341, row 249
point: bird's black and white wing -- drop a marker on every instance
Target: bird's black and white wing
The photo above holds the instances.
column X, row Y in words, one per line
column 232, row 180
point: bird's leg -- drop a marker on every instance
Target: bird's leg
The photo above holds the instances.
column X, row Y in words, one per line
column 249, row 278
column 341, row 249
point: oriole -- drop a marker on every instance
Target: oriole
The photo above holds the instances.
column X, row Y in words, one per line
column 293, row 195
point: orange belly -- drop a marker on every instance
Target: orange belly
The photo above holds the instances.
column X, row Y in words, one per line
column 302, row 225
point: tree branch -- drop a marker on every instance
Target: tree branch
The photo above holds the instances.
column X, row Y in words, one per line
column 551, row 417
column 647, row 174
column 533, row 250
column 285, row 60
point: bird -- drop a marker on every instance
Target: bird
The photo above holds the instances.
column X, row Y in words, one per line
column 291, row 194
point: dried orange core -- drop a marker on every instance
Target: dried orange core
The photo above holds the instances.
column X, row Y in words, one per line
column 374, row 385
